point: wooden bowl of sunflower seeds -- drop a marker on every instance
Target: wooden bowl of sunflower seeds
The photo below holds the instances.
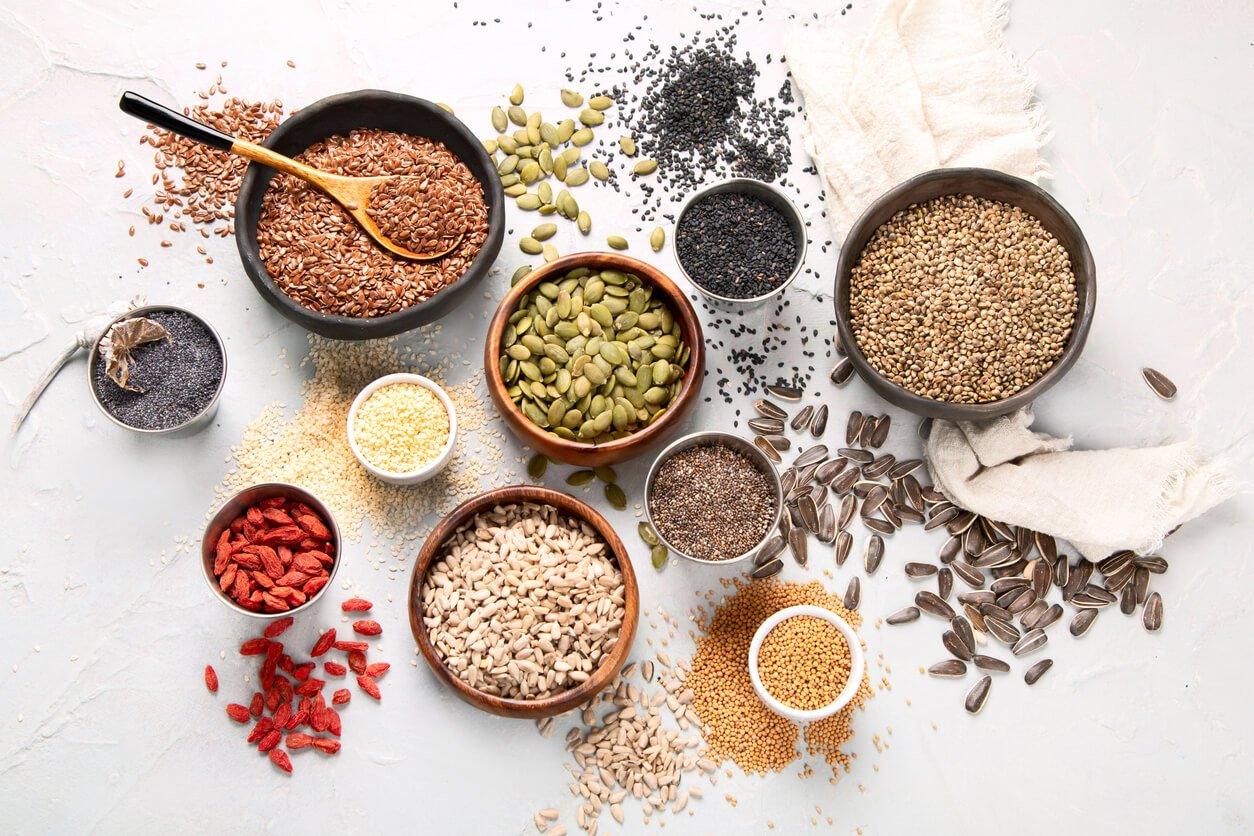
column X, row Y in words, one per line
column 963, row 294
column 523, row 602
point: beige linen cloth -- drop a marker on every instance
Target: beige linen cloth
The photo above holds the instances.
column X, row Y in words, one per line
column 933, row 84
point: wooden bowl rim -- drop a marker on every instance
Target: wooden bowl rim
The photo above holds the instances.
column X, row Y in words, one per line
column 901, row 196
column 536, row 437
column 570, row 506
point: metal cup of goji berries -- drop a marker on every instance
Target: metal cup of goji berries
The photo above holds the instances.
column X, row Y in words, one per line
column 271, row 550
column 402, row 428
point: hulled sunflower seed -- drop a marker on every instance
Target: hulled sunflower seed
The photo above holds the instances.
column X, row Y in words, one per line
column 949, row 669
column 904, row 616
column 1160, row 383
column 1038, row 670
column 977, row 697
column 1082, row 621
column 853, row 594
column 1153, row 617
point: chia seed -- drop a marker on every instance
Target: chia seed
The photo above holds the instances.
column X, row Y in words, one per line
column 735, row 245
column 711, row 502
column 179, row 376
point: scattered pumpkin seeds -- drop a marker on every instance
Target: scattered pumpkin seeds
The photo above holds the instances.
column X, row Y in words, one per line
column 617, row 242
column 579, row 478
column 645, row 167
column 536, row 465
column 544, row 232
column 572, row 99
column 659, row 554
column 516, row 95
column 615, row 496
column 627, row 145
column 657, row 239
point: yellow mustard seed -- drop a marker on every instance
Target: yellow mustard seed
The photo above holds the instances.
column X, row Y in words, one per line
column 804, row 662
column 401, row 427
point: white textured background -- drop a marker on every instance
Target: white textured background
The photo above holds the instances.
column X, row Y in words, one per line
column 105, row 724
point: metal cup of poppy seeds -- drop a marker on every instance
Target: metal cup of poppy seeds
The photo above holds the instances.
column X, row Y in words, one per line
column 714, row 439
column 190, row 426
column 773, row 197
column 239, row 504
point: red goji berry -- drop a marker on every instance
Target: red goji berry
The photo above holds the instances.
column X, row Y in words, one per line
column 368, row 685
column 356, row 605
column 357, row 661
column 377, row 670
column 333, row 724
column 238, row 713
column 348, row 647
column 264, row 726
column 310, row 687
column 341, row 696
column 277, row 627
column 322, row 744
column 280, row 759
column 323, row 644
column 211, row 679
column 272, row 739
column 301, row 672
column 254, row 707
column 298, row 719
column 367, row 628
column 282, row 714
column 334, row 668
column 298, row 740
column 254, row 647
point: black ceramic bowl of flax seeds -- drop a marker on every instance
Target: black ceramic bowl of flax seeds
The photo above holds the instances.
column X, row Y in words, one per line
column 740, row 241
column 173, row 382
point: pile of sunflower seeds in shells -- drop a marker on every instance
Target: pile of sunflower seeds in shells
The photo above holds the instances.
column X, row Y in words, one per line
column 1009, row 572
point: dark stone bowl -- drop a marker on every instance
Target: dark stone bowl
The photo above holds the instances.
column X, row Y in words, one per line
column 341, row 114
column 992, row 185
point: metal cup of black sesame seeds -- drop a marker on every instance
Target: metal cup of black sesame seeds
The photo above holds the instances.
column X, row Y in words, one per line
column 196, row 375
column 740, row 261
column 716, row 520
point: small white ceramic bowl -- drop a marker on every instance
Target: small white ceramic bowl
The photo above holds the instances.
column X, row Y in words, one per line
column 428, row 470
column 857, row 664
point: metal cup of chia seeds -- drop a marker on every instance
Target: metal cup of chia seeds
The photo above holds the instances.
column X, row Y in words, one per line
column 174, row 383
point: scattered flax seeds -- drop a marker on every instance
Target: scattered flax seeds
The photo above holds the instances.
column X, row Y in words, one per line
column 311, row 448
column 737, row 726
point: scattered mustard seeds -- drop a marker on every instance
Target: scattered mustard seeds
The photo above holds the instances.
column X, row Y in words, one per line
column 736, row 725
column 401, row 427
column 804, row 662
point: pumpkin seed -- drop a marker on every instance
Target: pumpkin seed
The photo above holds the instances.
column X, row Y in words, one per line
column 530, row 246
column 537, row 465
column 658, row 553
column 499, row 120
column 517, row 115
column 599, row 170
column 657, row 239
column 646, row 166
column 516, row 95
column 580, row 478
column 580, row 138
column 544, row 232
column 584, row 222
column 627, row 145
column 571, row 99
column 600, row 103
column 647, row 534
column 617, row 242
column 519, row 274
column 615, row 496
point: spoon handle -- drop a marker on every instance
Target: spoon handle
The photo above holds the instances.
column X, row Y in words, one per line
column 161, row 116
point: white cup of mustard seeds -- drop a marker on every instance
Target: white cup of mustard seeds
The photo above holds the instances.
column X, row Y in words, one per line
column 857, row 664
column 396, row 429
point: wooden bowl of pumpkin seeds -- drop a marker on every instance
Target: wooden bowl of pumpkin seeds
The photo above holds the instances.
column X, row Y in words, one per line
column 594, row 358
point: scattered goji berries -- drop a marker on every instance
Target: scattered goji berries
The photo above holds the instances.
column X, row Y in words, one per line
column 274, row 557
column 291, row 697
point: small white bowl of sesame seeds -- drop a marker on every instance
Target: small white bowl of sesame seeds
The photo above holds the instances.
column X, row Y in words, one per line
column 402, row 428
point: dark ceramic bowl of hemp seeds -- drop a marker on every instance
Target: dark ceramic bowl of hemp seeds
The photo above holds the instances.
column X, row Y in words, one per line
column 740, row 242
column 934, row 309
column 173, row 382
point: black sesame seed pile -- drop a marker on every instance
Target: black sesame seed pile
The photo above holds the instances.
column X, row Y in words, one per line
column 178, row 377
column 735, row 245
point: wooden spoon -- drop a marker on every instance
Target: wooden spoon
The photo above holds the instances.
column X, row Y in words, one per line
column 353, row 193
